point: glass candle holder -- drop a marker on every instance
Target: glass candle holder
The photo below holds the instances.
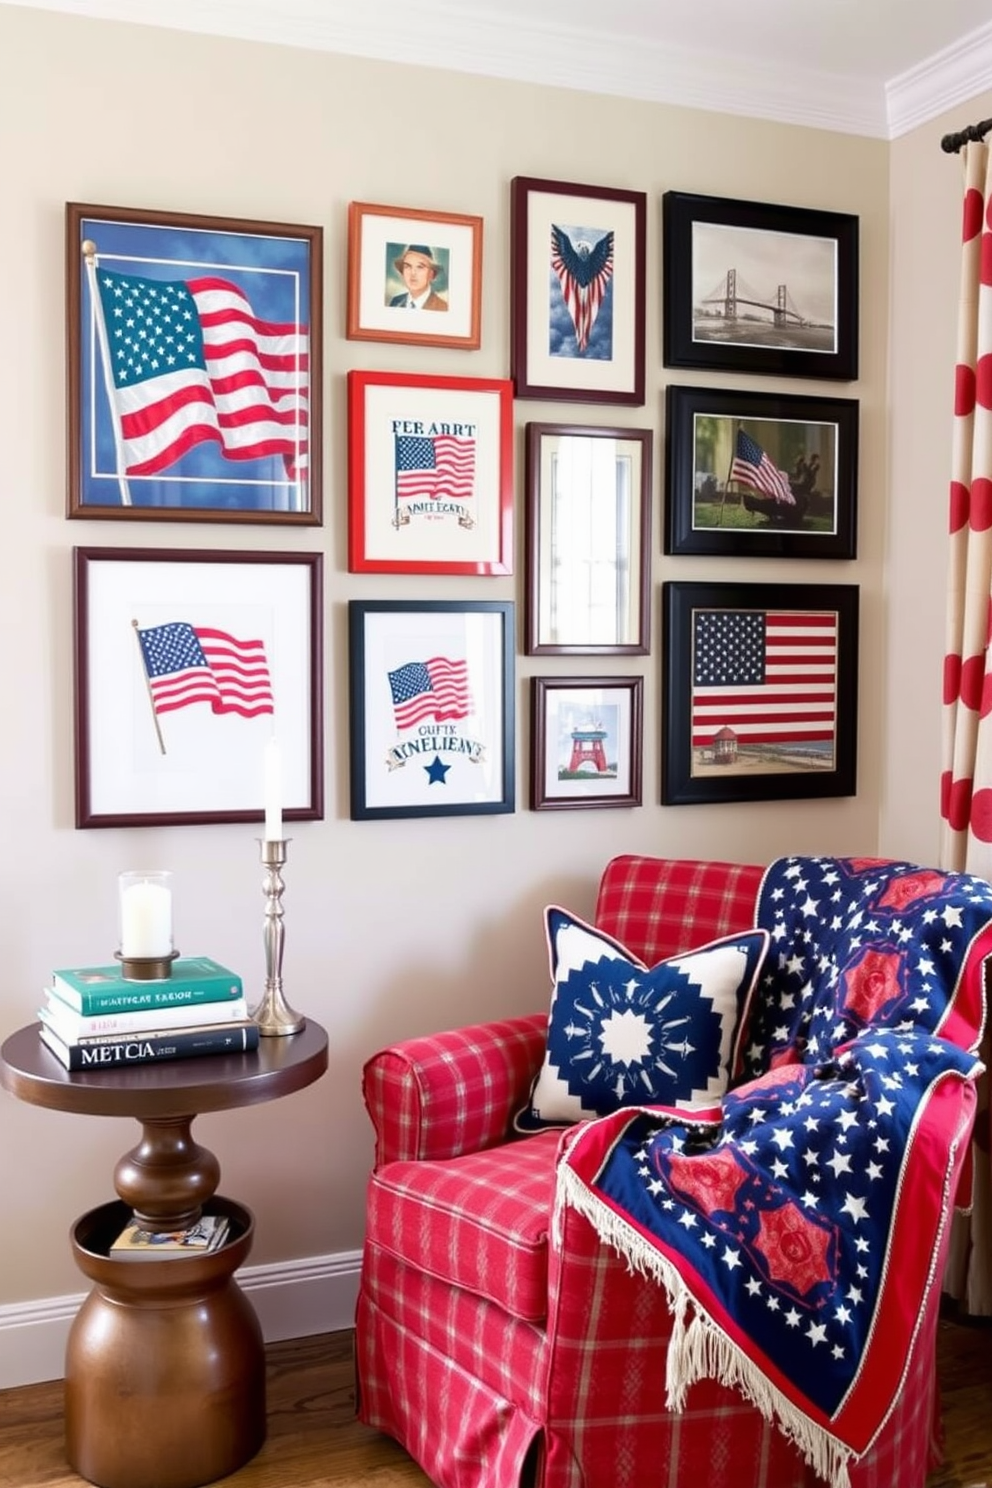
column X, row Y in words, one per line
column 145, row 905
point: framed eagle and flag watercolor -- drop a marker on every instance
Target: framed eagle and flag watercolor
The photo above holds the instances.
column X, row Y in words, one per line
column 760, row 691
column 577, row 280
column 431, row 707
column 194, row 367
column 430, row 474
column 188, row 663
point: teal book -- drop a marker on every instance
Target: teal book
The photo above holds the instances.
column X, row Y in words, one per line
column 146, row 1048
column 103, row 989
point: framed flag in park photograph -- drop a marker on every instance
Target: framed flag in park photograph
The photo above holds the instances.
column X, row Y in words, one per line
column 188, row 665
column 430, row 474
column 194, row 367
column 431, row 707
column 760, row 691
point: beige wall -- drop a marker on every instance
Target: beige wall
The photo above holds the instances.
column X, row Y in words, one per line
column 399, row 926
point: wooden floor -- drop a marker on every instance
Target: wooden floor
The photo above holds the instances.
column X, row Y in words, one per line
column 315, row 1442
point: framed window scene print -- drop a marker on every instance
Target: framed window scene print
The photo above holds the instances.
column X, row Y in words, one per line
column 577, row 277
column 414, row 276
column 194, row 367
column 430, row 474
column 588, row 539
column 431, row 707
column 760, row 475
column 586, row 737
column 756, row 287
column 760, row 691
column 188, row 663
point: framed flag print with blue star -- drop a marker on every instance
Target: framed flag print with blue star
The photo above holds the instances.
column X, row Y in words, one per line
column 431, row 705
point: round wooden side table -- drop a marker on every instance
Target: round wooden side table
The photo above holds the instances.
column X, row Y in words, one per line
column 165, row 1362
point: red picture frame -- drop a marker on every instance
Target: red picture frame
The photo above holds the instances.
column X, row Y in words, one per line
column 430, row 474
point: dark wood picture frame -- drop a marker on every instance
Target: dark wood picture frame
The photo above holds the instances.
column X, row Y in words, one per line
column 186, row 663
column 759, row 691
column 202, row 400
column 757, row 287
column 735, row 460
column 588, row 486
column 586, row 719
column 431, row 703
column 577, row 291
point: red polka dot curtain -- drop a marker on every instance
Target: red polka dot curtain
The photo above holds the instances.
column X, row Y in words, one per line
column 966, row 781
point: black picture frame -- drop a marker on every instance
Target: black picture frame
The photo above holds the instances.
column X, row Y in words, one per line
column 733, row 461
column 721, row 646
column 431, row 707
column 586, row 346
column 798, row 267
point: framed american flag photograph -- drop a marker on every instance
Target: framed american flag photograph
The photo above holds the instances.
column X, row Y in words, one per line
column 431, row 707
column 194, row 367
column 191, row 666
column 759, row 691
column 430, row 474
column 577, row 291
column 760, row 475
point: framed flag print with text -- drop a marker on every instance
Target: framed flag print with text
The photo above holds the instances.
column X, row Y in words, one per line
column 430, row 474
column 194, row 367
column 431, row 705
column 187, row 664
column 760, row 691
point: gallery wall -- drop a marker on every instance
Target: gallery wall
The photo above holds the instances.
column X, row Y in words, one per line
column 396, row 926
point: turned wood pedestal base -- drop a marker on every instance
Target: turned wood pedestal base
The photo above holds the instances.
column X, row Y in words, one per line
column 165, row 1363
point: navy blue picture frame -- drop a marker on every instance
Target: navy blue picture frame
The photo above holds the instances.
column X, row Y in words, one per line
column 401, row 767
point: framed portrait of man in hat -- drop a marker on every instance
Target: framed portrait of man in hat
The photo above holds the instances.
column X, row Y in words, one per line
column 414, row 276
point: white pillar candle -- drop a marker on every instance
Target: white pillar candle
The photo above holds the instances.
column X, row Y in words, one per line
column 146, row 915
column 273, row 792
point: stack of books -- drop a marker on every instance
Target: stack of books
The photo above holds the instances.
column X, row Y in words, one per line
column 92, row 1018
column 135, row 1244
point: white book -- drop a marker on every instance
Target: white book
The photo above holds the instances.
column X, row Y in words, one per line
column 76, row 1028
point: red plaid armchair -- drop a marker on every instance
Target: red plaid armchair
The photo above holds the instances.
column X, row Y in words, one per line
column 499, row 1354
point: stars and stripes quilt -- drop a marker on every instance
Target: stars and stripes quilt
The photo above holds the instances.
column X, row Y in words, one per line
column 796, row 1226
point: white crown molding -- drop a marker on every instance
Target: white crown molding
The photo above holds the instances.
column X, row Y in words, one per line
column 956, row 75
column 439, row 33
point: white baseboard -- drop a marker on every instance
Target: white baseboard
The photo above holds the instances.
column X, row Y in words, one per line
column 293, row 1299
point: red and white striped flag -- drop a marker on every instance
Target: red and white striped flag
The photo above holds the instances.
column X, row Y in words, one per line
column 188, row 664
column 188, row 361
column 770, row 676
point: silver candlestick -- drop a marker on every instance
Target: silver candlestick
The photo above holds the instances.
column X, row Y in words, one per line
column 274, row 1015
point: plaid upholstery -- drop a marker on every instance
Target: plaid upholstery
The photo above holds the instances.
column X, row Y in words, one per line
column 478, row 1221
column 455, row 1092
column 453, row 1357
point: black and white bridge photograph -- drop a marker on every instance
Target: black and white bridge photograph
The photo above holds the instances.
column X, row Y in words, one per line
column 762, row 288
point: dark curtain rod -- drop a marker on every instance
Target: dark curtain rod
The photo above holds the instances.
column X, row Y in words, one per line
column 952, row 143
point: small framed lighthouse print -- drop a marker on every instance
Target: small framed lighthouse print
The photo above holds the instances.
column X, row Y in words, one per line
column 586, row 742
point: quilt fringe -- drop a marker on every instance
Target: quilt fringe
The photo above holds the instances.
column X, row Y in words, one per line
column 698, row 1349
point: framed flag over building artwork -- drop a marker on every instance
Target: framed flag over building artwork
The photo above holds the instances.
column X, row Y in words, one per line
column 187, row 663
column 194, row 367
column 430, row 474
column 760, row 691
column 431, row 704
